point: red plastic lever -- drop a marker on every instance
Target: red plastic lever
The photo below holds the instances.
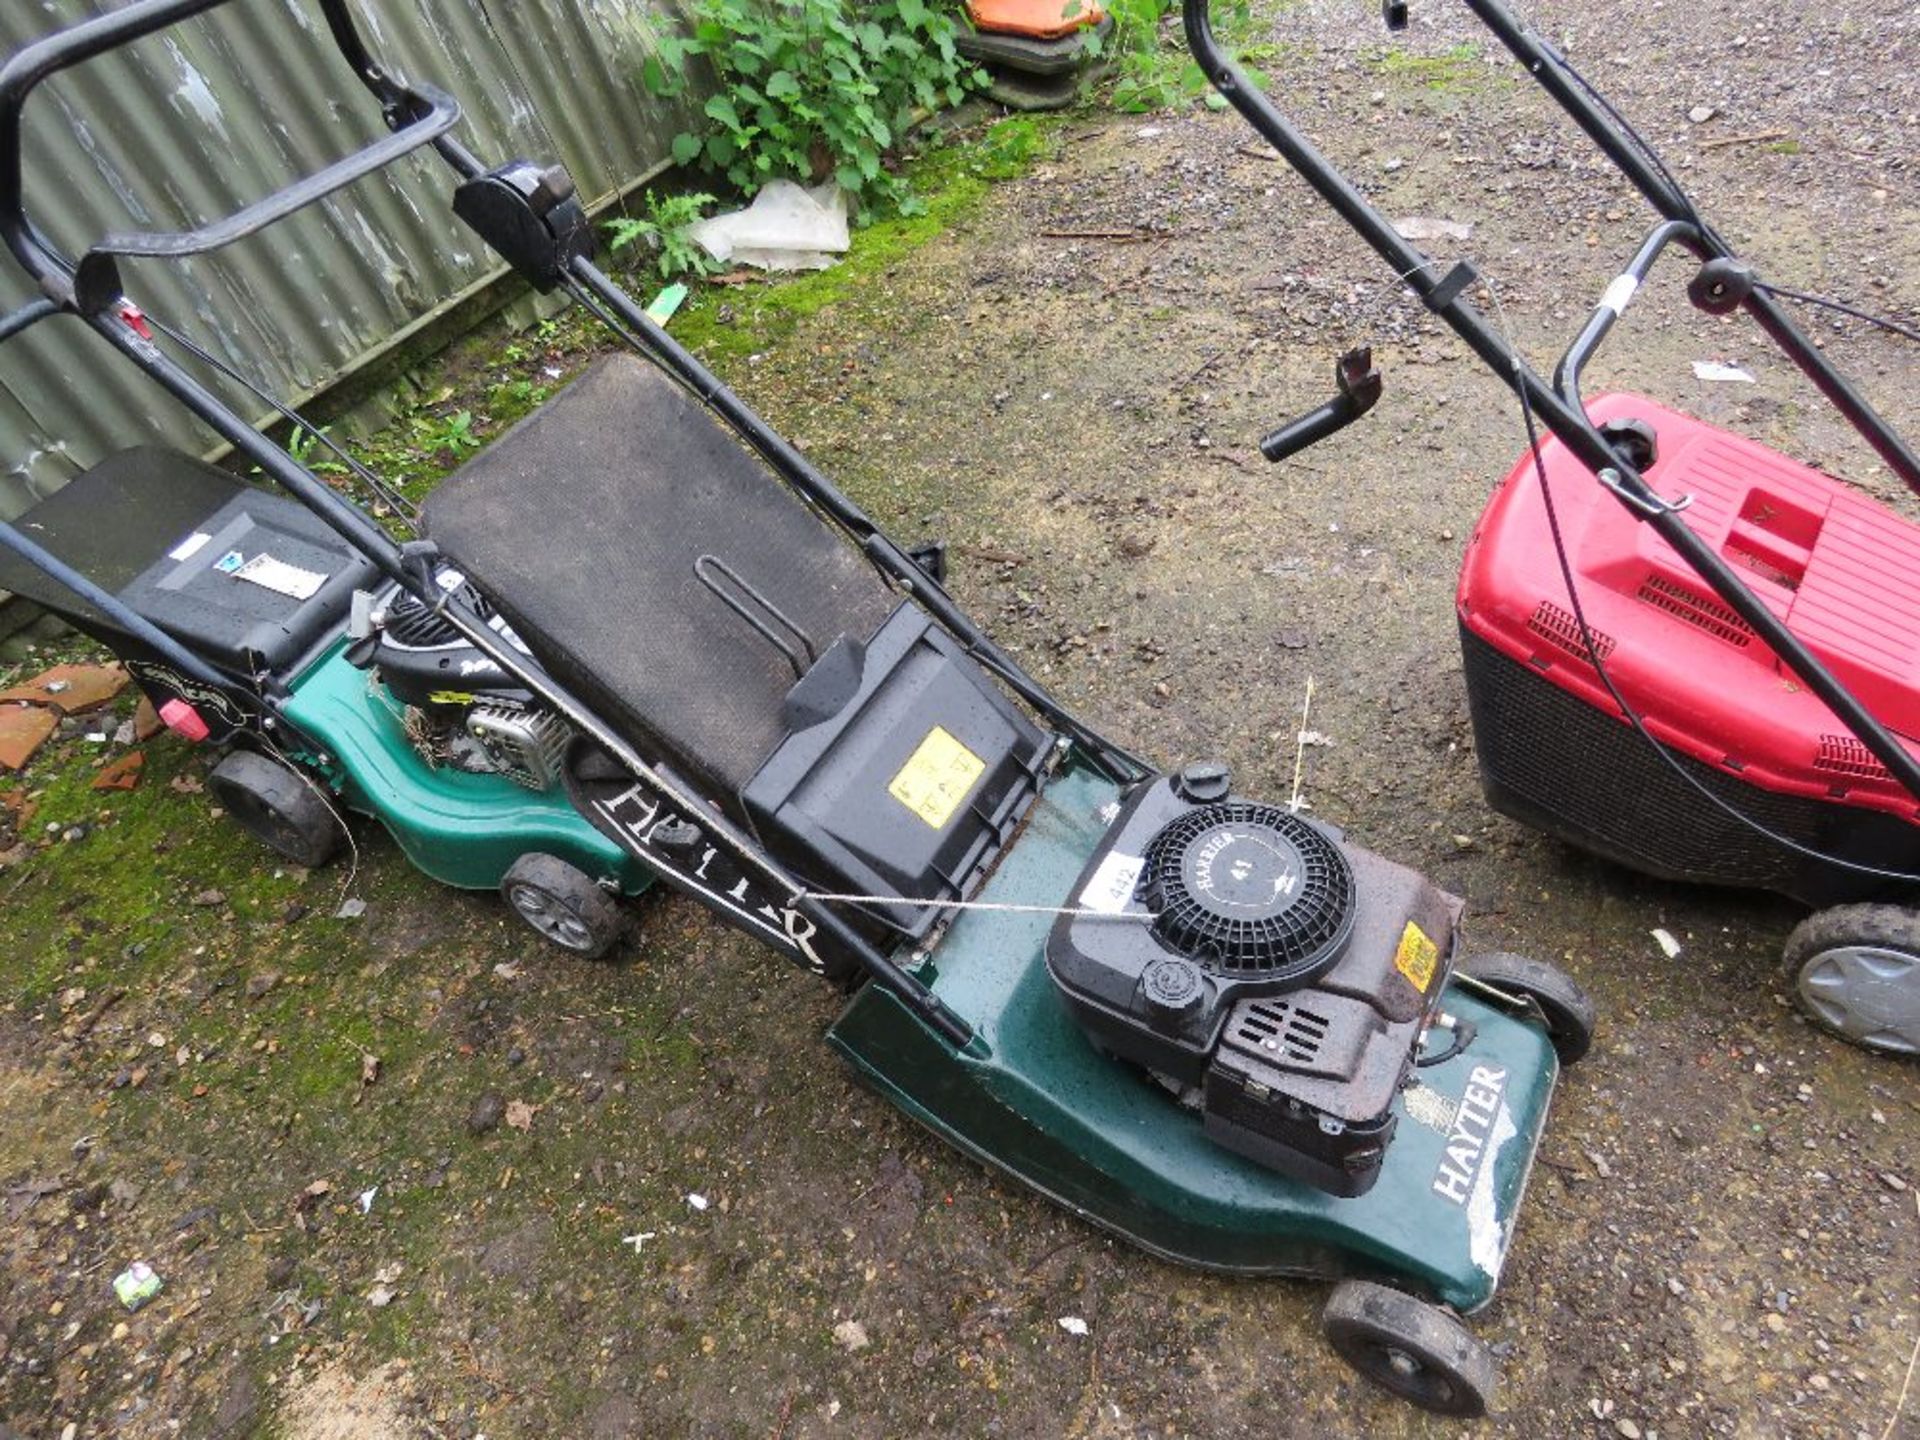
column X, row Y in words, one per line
column 136, row 319
column 181, row 718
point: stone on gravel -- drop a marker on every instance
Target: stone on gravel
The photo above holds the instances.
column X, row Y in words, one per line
column 487, row 1113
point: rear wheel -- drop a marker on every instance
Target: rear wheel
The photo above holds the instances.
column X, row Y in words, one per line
column 566, row 906
column 1418, row 1351
column 278, row 806
column 1855, row 971
column 1567, row 1009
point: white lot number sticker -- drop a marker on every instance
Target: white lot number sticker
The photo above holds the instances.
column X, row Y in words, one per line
column 1110, row 890
column 280, row 577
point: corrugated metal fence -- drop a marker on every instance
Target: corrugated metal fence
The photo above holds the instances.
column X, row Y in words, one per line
column 190, row 124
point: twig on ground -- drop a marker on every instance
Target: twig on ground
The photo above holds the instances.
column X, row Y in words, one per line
column 83, row 1027
column 1720, row 142
column 1135, row 235
column 1214, row 357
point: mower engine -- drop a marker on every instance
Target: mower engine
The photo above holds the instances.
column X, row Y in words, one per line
column 462, row 710
column 1275, row 978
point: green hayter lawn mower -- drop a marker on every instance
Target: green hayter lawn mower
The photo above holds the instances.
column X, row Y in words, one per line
column 640, row 639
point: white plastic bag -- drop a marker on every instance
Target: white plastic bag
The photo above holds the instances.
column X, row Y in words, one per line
column 787, row 227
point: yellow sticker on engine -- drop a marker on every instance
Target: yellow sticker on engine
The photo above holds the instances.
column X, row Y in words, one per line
column 450, row 697
column 936, row 778
column 1416, row 957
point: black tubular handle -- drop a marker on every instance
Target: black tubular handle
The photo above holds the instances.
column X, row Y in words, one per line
column 1547, row 68
column 417, row 116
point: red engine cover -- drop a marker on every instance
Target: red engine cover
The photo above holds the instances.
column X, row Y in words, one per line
column 1841, row 570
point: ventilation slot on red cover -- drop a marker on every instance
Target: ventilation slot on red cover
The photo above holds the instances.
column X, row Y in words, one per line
column 1696, row 609
column 1551, row 623
column 1844, row 755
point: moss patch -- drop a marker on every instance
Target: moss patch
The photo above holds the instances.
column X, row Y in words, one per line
column 1458, row 67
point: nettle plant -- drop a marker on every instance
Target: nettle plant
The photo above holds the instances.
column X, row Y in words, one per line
column 813, row 88
column 663, row 228
column 1149, row 62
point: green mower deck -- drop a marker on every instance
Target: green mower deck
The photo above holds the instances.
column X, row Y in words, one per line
column 1034, row 1098
column 464, row 830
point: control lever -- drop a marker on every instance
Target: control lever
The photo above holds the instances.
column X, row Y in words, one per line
column 1359, row 387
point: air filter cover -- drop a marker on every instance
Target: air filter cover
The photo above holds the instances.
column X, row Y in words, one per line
column 1250, row 891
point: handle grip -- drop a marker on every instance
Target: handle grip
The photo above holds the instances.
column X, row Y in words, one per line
column 1359, row 387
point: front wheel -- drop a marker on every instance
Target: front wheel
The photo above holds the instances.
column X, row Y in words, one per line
column 1855, row 971
column 565, row 905
column 1418, row 1351
column 1566, row 1009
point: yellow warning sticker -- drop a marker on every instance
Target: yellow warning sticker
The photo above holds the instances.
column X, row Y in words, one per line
column 936, row 778
column 450, row 697
column 1416, row 957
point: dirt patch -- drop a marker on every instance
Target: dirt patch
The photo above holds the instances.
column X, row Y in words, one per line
column 336, row 1404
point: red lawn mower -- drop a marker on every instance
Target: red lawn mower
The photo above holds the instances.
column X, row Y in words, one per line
column 1684, row 651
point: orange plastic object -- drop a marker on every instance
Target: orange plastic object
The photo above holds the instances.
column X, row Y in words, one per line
column 1041, row 19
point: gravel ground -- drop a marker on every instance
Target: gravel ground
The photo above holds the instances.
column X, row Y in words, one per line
column 1722, row 1236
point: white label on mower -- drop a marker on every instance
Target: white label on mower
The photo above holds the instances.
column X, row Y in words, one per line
column 280, row 577
column 1474, row 1122
column 1487, row 1232
column 1110, row 890
column 189, row 547
column 1427, row 1106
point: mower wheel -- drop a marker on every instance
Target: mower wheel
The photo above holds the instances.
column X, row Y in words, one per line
column 278, row 806
column 1418, row 1351
column 1566, row 1008
column 1855, row 971
column 564, row 905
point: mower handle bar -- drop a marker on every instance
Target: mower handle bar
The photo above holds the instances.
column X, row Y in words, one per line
column 1444, row 295
column 1613, row 304
column 417, row 115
